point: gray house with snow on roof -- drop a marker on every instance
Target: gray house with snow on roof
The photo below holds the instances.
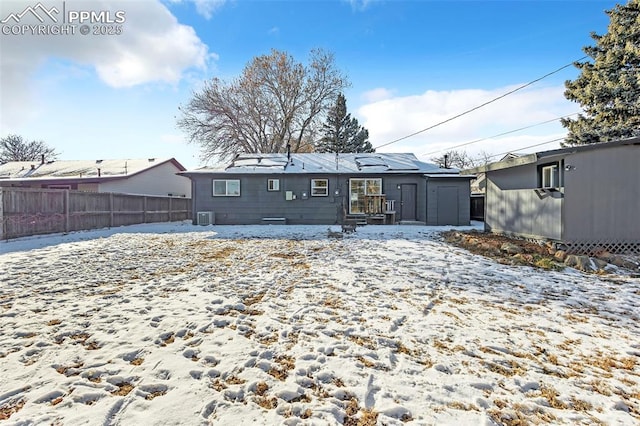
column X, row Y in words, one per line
column 585, row 197
column 314, row 188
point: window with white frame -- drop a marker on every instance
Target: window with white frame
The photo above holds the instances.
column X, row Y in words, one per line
column 359, row 189
column 273, row 184
column 226, row 187
column 319, row 187
column 550, row 176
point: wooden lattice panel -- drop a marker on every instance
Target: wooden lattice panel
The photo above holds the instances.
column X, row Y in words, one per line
column 594, row 247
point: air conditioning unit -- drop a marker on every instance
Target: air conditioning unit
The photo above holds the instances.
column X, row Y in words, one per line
column 206, row 218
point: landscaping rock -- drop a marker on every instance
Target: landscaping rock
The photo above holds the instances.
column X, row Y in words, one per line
column 489, row 248
column 548, row 255
column 511, row 248
column 604, row 255
column 599, row 263
column 582, row 263
column 473, row 241
column 623, row 263
column 560, row 255
column 525, row 258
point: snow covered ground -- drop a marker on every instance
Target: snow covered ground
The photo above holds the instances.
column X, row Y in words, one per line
column 179, row 324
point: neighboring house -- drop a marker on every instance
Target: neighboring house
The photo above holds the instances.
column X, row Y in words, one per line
column 150, row 176
column 328, row 189
column 586, row 197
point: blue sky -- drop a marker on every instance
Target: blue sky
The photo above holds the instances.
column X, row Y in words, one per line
column 411, row 65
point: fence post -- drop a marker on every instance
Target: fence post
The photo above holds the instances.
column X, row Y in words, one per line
column 3, row 225
column 111, row 210
column 66, row 210
column 170, row 209
column 144, row 209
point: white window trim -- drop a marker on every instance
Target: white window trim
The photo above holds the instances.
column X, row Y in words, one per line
column 273, row 185
column 226, row 181
column 550, row 176
column 366, row 192
column 325, row 188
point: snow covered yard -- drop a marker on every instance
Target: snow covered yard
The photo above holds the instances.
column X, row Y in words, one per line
column 178, row 324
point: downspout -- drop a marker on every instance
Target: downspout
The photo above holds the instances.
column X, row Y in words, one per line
column 426, row 199
column 193, row 201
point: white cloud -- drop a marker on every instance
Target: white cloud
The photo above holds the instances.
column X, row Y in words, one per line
column 378, row 94
column 153, row 47
column 390, row 119
column 359, row 5
column 205, row 8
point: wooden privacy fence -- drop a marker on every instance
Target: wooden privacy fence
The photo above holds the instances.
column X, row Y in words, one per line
column 26, row 211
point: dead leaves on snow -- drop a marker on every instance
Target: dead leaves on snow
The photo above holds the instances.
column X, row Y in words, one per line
column 10, row 407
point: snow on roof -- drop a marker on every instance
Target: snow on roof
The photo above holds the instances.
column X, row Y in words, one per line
column 327, row 163
column 15, row 168
column 77, row 168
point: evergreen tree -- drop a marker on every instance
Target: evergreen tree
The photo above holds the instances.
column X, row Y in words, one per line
column 343, row 133
column 608, row 86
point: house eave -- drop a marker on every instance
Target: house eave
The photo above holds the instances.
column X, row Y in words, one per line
column 547, row 155
column 448, row 176
column 500, row 165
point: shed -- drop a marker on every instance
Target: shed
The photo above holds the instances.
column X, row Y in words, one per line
column 586, row 197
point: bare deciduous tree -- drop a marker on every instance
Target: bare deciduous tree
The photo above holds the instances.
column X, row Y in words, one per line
column 453, row 159
column 462, row 160
column 15, row 148
column 275, row 102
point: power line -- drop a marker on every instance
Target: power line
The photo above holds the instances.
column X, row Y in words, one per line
column 481, row 105
column 526, row 147
column 499, row 134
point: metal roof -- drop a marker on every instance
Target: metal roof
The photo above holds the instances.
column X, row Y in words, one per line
column 65, row 169
column 322, row 163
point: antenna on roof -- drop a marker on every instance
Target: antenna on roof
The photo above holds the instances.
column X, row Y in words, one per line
column 336, row 160
column 288, row 151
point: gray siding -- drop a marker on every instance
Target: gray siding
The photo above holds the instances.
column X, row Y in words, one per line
column 390, row 185
column 521, row 177
column 524, row 212
column 599, row 200
column 440, row 190
column 513, row 206
column 256, row 203
column 602, row 201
